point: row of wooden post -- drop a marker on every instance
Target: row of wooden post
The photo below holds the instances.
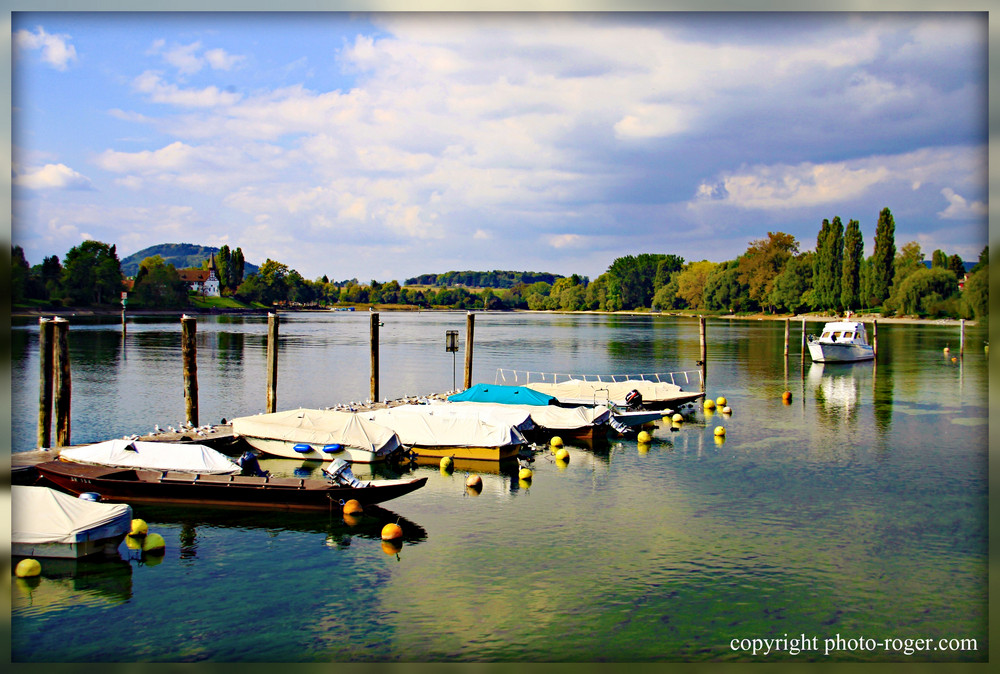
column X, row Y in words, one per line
column 55, row 387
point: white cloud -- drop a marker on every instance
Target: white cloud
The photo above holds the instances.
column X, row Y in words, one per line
column 52, row 176
column 152, row 83
column 56, row 50
column 959, row 208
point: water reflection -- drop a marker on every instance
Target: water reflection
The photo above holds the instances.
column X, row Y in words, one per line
column 839, row 388
column 65, row 583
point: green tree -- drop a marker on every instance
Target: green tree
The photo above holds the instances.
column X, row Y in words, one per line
column 92, row 274
column 691, row 284
column 157, row 285
column 725, row 292
column 984, row 260
column 850, row 279
column 666, row 268
column 267, row 286
column 223, row 263
column 828, row 264
column 939, row 260
column 20, row 273
column 50, row 276
column 630, row 281
column 924, row 292
column 956, row 266
column 909, row 260
column 761, row 264
column 883, row 257
column 976, row 294
column 791, row 289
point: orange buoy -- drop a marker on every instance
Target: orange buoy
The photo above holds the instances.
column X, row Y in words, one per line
column 392, row 547
column 474, row 482
column 787, row 395
column 353, row 507
column 392, row 532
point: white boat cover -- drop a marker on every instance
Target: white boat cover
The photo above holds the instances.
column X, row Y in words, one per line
column 319, row 427
column 518, row 416
column 589, row 392
column 418, row 425
column 551, row 417
column 190, row 458
column 41, row 515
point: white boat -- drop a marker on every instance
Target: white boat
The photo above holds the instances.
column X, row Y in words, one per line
column 652, row 395
column 841, row 341
column 432, row 434
column 319, row 435
column 582, row 423
column 188, row 457
column 48, row 523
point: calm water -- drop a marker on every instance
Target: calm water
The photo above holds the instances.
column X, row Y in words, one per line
column 858, row 510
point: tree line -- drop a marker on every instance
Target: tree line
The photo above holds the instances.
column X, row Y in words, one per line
column 771, row 276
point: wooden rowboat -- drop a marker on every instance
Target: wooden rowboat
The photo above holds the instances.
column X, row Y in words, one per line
column 154, row 486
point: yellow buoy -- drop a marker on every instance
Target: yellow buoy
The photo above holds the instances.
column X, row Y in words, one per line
column 353, row 507
column 562, row 454
column 556, row 441
column 392, row 532
column 139, row 528
column 524, row 474
column 474, row 481
column 947, row 350
column 154, row 543
column 27, row 568
column 709, row 404
column 721, row 401
column 720, row 430
column 447, row 464
column 954, row 359
column 677, row 418
column 644, row 448
column 720, row 440
column 644, row 437
column 133, row 543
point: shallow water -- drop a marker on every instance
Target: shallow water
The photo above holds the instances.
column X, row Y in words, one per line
column 859, row 509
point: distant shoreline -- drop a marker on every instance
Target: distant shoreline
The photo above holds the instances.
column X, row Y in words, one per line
column 812, row 317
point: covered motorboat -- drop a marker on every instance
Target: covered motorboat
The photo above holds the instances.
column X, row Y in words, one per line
column 460, row 436
column 48, row 523
column 152, row 455
column 652, row 395
column 841, row 341
column 505, row 395
column 575, row 423
column 319, row 435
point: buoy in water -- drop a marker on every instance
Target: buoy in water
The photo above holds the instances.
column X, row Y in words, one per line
column 154, row 544
column 392, row 532
column 562, row 454
column 787, row 395
column 644, row 437
column 353, row 507
column 556, row 441
column 727, row 410
column 677, row 418
column 447, row 464
column 139, row 528
column 709, row 404
column 721, row 401
column 474, row 482
column 392, row 547
column 720, row 430
column 27, row 568
column 524, row 474
column 954, row 359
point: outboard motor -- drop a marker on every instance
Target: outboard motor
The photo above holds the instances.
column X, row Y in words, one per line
column 250, row 466
column 633, row 399
column 340, row 472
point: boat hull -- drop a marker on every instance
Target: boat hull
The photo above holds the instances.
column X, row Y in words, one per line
column 468, row 453
column 832, row 352
column 286, row 450
column 146, row 486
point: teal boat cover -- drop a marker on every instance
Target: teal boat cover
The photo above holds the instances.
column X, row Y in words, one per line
column 508, row 395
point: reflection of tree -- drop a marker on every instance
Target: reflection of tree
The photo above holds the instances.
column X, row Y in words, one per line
column 883, row 395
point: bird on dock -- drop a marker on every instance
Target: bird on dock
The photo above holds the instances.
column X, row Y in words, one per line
column 157, row 429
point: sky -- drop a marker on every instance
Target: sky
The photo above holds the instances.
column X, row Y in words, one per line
column 387, row 145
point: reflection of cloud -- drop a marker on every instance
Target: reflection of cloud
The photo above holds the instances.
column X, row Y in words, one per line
column 52, row 176
column 959, row 208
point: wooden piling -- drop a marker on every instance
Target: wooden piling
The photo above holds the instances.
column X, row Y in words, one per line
column 189, row 355
column 802, row 346
column 874, row 337
column 788, row 323
column 61, row 381
column 374, row 349
column 470, row 329
column 272, row 363
column 45, row 355
column 703, row 350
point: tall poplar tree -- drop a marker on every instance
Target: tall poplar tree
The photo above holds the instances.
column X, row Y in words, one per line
column 828, row 264
column 222, row 266
column 850, row 280
column 884, row 256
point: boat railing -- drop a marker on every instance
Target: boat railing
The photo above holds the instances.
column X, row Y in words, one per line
column 682, row 378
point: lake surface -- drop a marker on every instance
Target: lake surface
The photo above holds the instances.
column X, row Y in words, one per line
column 849, row 523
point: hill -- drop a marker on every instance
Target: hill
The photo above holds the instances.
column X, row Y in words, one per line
column 181, row 255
